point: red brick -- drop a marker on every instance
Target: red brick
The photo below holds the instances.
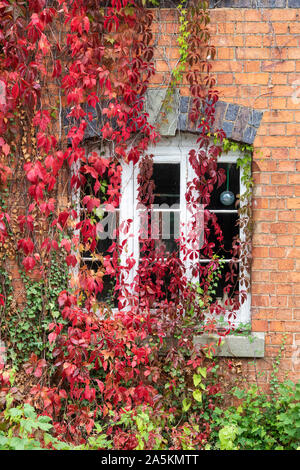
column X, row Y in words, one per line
column 294, row 302
column 294, row 179
column 262, row 239
column 289, row 14
column 279, row 78
column 286, row 216
column 292, row 326
column 285, row 191
column 264, row 215
column 277, row 252
column 279, row 141
column 278, row 203
column 252, row 15
column 263, row 288
column 252, row 66
column 276, row 129
column 225, row 53
column 279, row 65
column 293, row 53
column 260, row 300
column 260, row 252
column 284, row 289
column 259, row 325
column 277, row 103
column 286, row 166
column 279, row 178
column 296, row 314
column 278, row 301
column 226, row 28
column 295, row 253
column 293, row 203
column 294, row 28
column 278, row 116
column 284, row 240
column 268, row 191
column 264, row 263
column 261, row 203
column 260, row 276
column 253, row 53
column 253, row 28
column 224, row 79
column 280, row 28
column 227, row 66
column 278, row 228
column 277, row 326
column 251, row 78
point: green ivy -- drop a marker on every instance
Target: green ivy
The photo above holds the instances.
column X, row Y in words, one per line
column 244, row 162
column 261, row 421
column 26, row 328
column 178, row 72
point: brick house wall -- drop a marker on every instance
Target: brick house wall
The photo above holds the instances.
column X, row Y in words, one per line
column 257, row 68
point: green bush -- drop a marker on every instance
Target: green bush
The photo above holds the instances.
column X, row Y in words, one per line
column 22, row 429
column 261, row 421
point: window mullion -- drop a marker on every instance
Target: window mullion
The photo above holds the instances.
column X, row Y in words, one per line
column 189, row 215
column 245, row 309
column 126, row 214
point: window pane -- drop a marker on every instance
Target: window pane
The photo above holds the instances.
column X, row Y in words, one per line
column 234, row 186
column 161, row 283
column 107, row 231
column 228, row 223
column 166, row 178
column 214, row 288
column 107, row 295
column 106, row 225
column 169, row 231
column 163, row 227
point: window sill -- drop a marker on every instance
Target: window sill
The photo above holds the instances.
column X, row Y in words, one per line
column 252, row 345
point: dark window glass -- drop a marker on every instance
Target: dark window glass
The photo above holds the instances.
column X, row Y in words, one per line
column 233, row 185
column 227, row 218
column 220, row 282
column 162, row 224
column 166, row 178
column 229, row 226
column 109, row 224
column 107, row 295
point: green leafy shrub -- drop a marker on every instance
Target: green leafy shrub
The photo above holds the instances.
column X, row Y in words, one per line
column 261, row 421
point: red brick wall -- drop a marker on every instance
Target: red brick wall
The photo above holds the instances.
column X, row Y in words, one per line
column 257, row 65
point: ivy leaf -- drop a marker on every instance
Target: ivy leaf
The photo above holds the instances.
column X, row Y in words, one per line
column 197, row 379
column 202, row 371
column 186, row 404
column 197, row 395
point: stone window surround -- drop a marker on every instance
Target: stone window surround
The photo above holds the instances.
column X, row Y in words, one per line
column 240, row 123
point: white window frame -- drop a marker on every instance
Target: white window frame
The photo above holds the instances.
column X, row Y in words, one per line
column 173, row 149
